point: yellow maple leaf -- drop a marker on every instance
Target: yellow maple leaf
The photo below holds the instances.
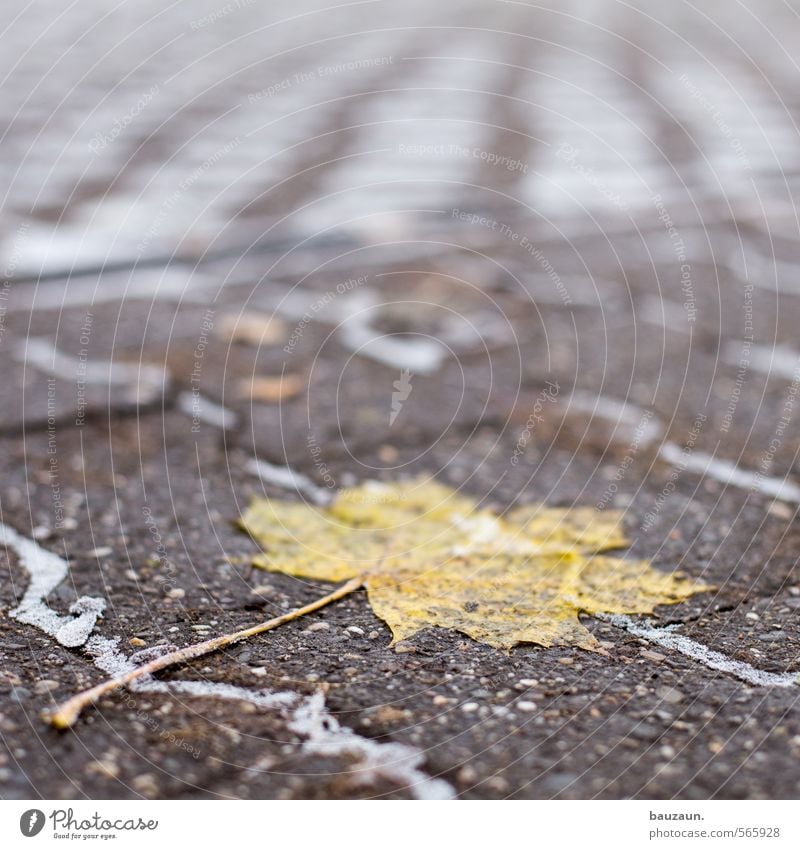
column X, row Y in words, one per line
column 432, row 557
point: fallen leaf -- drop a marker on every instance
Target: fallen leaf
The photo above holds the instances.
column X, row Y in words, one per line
column 271, row 389
column 432, row 557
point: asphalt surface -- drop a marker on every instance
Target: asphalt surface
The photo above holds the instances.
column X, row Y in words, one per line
column 230, row 230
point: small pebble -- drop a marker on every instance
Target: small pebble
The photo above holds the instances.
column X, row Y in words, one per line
column 19, row 694
column 317, row 626
column 104, row 769
column 782, row 511
column 467, row 775
column 654, row 656
column 145, row 784
column 469, row 707
column 526, row 707
column 670, row 695
column 177, row 592
column 774, row 637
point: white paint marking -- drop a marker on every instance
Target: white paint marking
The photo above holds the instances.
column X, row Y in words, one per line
column 667, row 638
column 646, row 428
column 395, row 761
column 47, row 571
column 310, row 719
column 663, row 313
column 420, row 356
column 351, row 314
column 146, row 285
column 146, row 382
column 729, row 473
column 203, row 409
column 286, row 478
column 773, row 360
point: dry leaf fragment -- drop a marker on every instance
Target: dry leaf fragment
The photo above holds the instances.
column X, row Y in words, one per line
column 271, row 389
column 432, row 557
column 252, row 328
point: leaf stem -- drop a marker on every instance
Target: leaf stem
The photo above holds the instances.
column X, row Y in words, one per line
column 67, row 713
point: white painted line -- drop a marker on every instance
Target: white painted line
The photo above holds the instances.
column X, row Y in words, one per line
column 145, row 285
column 774, row 360
column 395, row 761
column 420, row 356
column 286, row 478
column 145, row 382
column 729, row 473
column 350, row 315
column 646, row 428
column 203, row 409
column 47, row 571
column 308, row 718
column 663, row 313
column 667, row 638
